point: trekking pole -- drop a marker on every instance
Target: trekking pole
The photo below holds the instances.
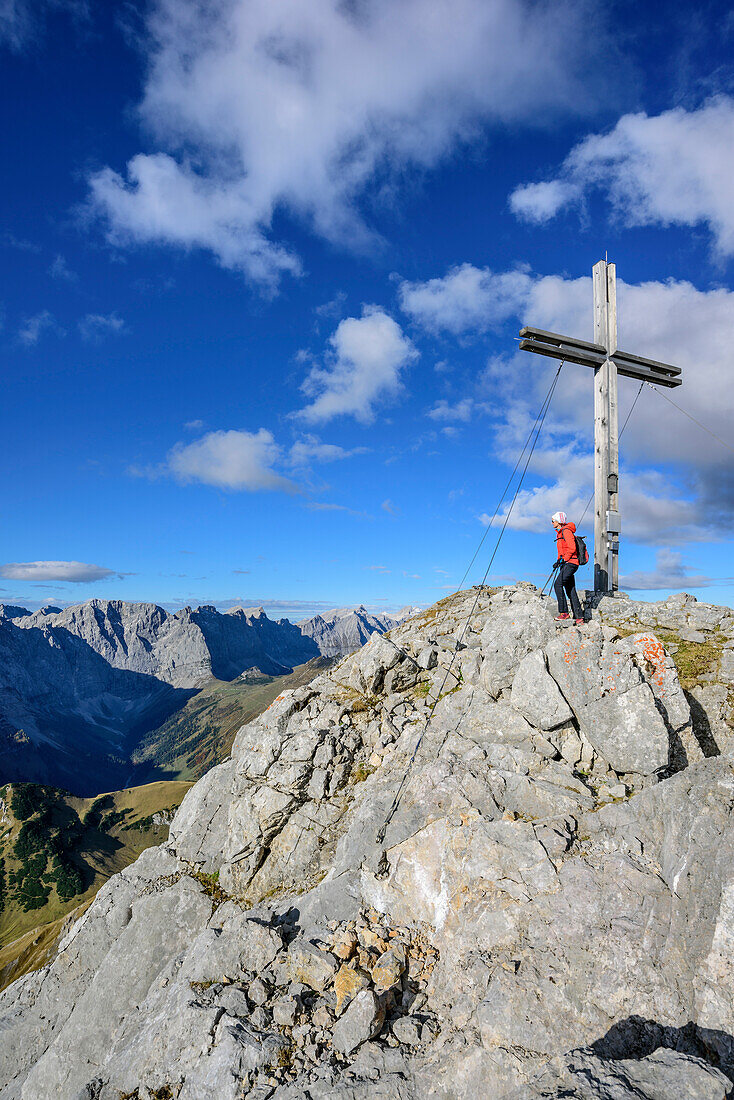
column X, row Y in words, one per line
column 550, row 575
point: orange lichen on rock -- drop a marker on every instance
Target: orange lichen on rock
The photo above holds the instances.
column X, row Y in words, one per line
column 654, row 653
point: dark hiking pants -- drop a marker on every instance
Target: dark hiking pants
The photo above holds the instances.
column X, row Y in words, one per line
column 564, row 584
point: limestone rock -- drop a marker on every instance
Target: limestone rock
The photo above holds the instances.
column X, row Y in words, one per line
column 662, row 1075
column 388, row 969
column 258, row 992
column 536, row 694
column 627, row 730
column 159, row 928
column 727, row 666
column 574, row 662
column 345, row 947
column 428, row 657
column 361, row 1021
column 508, row 636
column 660, row 673
column 407, row 1029
column 229, row 947
column 348, row 983
column 285, row 1010
column 374, row 660
column 314, row 968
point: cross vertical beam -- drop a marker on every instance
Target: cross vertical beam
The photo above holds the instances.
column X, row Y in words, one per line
column 606, row 434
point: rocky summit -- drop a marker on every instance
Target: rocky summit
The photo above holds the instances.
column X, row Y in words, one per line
column 548, row 913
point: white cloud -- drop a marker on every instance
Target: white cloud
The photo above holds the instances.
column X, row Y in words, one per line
column 461, row 410
column 333, row 308
column 669, row 572
column 368, row 354
column 230, row 460
column 9, row 240
column 262, row 106
column 97, row 325
column 539, row 202
column 34, row 327
column 653, row 508
column 310, row 449
column 390, row 508
column 167, row 203
column 74, row 572
column 669, row 169
column 59, row 269
column 466, row 299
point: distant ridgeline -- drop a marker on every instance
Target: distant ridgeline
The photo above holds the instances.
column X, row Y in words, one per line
column 83, row 690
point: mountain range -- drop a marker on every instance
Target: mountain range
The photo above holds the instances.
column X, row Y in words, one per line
column 81, row 687
column 345, row 630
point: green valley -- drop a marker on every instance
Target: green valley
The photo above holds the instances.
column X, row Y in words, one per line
column 200, row 734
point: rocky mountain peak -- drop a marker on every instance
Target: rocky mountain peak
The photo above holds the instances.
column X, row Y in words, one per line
column 504, row 871
column 408, row 612
column 343, row 630
column 12, row 611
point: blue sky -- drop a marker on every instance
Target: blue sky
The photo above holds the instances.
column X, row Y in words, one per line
column 263, row 269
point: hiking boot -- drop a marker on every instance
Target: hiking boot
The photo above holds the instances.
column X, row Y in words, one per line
column 563, row 615
column 579, row 622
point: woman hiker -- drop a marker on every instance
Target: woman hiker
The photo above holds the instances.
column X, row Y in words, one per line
column 568, row 563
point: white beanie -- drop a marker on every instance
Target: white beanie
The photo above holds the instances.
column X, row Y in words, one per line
column 559, row 517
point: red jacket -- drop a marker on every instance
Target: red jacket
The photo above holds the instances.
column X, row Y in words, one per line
column 566, row 543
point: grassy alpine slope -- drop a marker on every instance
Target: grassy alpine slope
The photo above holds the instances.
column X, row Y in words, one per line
column 57, row 850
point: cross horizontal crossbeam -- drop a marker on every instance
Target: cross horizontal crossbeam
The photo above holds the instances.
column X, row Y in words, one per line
column 572, row 350
column 565, row 351
column 622, row 358
column 556, row 338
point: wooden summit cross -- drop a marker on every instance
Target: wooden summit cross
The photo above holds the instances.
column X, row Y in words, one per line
column 607, row 362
